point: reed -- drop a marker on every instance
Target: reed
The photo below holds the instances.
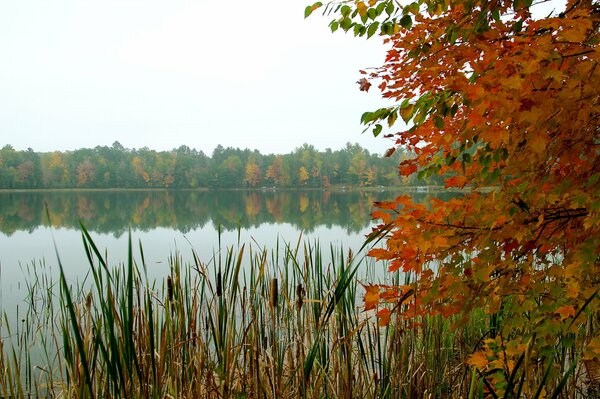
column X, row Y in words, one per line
column 247, row 323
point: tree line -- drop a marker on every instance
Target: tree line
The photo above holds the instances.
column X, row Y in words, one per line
column 184, row 167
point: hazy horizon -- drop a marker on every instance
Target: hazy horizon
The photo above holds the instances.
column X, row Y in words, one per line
column 161, row 75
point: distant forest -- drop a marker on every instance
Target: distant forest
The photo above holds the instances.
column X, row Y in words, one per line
column 119, row 167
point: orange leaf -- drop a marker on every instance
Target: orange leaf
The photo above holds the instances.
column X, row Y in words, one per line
column 456, row 181
column 371, row 297
column 478, row 359
column 380, row 215
column 380, row 253
column 440, row 242
column 566, row 311
column 384, row 317
column 408, row 169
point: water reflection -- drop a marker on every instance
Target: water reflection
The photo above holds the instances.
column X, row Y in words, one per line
column 114, row 212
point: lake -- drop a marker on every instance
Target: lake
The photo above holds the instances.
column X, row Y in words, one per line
column 167, row 223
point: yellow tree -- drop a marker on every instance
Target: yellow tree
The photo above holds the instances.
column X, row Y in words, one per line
column 302, row 175
column 506, row 105
column 252, row 175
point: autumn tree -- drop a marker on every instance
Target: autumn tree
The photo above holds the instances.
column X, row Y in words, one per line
column 252, row 175
column 275, row 171
column 505, row 104
column 302, row 175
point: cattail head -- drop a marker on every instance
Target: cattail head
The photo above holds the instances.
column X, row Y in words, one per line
column 170, row 289
column 88, row 300
column 273, row 293
column 299, row 296
column 219, row 284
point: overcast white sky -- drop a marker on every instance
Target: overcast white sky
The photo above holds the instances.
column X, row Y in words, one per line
column 165, row 73
column 162, row 73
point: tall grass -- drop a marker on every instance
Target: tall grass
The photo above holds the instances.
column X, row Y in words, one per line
column 248, row 323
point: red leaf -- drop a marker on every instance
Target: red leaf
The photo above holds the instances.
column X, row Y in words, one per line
column 364, row 84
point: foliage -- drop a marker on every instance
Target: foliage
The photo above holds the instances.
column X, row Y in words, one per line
column 494, row 99
column 183, row 167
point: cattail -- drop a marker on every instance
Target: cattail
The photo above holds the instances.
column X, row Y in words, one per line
column 170, row 289
column 299, row 296
column 273, row 293
column 219, row 284
column 88, row 301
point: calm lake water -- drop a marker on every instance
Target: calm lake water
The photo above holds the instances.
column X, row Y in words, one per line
column 166, row 223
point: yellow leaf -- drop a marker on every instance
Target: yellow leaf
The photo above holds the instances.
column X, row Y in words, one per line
column 362, row 8
column 575, row 33
column 406, row 113
column 478, row 359
column 538, row 142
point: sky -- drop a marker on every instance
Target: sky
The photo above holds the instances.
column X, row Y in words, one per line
column 161, row 74
column 166, row 73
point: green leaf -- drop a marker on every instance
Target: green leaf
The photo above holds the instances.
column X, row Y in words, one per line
column 413, row 8
column 392, row 117
column 453, row 110
column 372, row 13
column 380, row 8
column 366, row 117
column 496, row 15
column 495, row 175
column 387, row 28
column 346, row 24
column 378, row 128
column 307, row 11
column 420, row 118
column 389, row 8
column 438, row 122
column 453, row 36
column 372, row 29
column 517, row 27
column 406, row 21
column 345, row 11
column 334, row 25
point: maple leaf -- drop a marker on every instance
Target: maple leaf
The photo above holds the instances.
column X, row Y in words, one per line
column 455, row 181
column 478, row 359
column 384, row 316
column 364, row 84
column 566, row 311
column 371, row 297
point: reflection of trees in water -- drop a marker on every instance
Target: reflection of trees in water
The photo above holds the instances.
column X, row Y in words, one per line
column 115, row 212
